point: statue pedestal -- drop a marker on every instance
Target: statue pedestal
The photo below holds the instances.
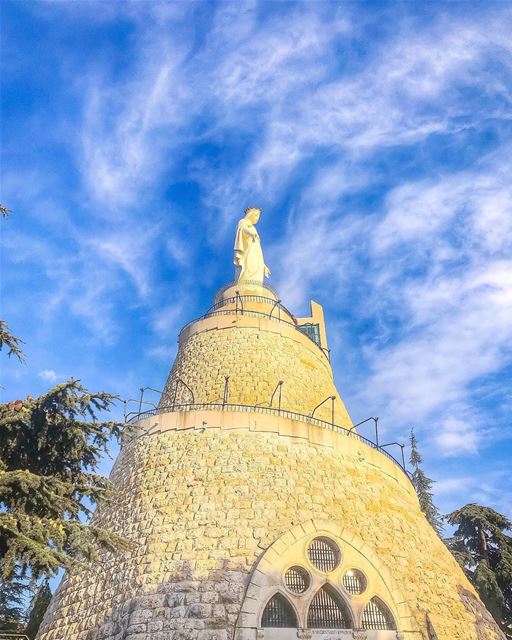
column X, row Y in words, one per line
column 245, row 288
column 252, row 297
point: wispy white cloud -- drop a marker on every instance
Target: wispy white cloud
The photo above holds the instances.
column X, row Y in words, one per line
column 364, row 153
column 437, row 279
column 455, row 437
column 489, row 488
column 319, row 249
column 462, row 331
column 129, row 250
column 48, row 375
column 398, row 98
column 166, row 320
column 455, row 310
column 88, row 279
column 282, row 75
column 122, row 138
column 480, row 198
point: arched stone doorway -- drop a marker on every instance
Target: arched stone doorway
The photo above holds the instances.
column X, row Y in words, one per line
column 319, row 581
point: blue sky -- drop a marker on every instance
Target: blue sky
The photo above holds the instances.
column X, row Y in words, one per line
column 376, row 136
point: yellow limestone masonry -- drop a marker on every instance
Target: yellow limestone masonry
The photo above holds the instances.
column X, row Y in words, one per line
column 219, row 502
column 272, row 355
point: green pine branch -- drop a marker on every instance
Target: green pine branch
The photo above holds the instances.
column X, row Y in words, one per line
column 423, row 487
column 482, row 545
column 50, row 447
column 10, row 341
column 12, row 604
column 39, row 604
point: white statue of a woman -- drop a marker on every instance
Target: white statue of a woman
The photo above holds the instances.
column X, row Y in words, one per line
column 248, row 259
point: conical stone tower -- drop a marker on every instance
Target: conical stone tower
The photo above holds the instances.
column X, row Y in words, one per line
column 255, row 510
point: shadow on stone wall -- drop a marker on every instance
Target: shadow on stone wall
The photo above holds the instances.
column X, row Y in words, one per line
column 183, row 608
column 484, row 622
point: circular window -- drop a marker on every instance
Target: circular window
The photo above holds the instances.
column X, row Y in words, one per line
column 354, row 582
column 297, row 579
column 324, row 554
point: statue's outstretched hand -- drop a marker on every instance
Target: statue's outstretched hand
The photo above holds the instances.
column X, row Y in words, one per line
column 267, row 272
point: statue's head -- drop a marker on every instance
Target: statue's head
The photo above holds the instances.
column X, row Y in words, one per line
column 253, row 214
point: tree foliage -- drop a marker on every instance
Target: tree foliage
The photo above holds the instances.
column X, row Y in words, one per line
column 50, row 447
column 423, row 486
column 12, row 604
column 40, row 603
column 484, row 550
column 6, row 337
column 10, row 341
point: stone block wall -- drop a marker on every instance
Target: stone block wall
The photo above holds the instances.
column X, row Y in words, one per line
column 201, row 506
column 255, row 355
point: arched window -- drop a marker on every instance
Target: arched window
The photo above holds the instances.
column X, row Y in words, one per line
column 279, row 613
column 328, row 610
column 376, row 615
column 324, row 554
column 354, row 582
column 297, row 579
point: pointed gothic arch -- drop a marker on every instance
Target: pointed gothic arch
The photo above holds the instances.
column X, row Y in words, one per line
column 268, row 577
column 279, row 612
column 377, row 616
column 328, row 610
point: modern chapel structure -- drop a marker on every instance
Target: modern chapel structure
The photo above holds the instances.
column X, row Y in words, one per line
column 254, row 509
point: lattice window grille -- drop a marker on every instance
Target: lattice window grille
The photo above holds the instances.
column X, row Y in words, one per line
column 312, row 331
column 354, row 582
column 377, row 616
column 328, row 611
column 279, row 613
column 297, row 579
column 324, row 554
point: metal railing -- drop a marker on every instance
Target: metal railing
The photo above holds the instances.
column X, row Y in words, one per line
column 292, row 415
column 250, row 298
column 242, row 283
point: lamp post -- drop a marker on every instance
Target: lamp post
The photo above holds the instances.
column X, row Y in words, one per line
column 278, row 386
column 398, row 444
column 376, row 421
column 226, row 390
column 140, row 401
column 178, row 382
column 142, row 389
column 332, row 399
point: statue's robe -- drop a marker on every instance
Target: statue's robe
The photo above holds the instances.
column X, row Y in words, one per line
column 248, row 253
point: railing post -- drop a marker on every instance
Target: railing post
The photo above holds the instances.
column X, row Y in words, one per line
column 333, row 399
column 141, row 398
column 175, row 392
column 188, row 389
column 278, row 386
column 226, row 391
column 321, row 403
column 239, row 297
column 398, row 444
column 376, row 421
column 275, row 305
